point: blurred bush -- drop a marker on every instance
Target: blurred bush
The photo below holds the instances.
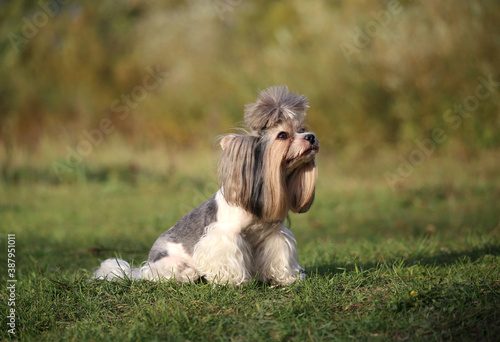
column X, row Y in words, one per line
column 377, row 73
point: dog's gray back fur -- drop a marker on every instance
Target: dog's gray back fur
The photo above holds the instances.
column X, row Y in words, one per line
column 188, row 231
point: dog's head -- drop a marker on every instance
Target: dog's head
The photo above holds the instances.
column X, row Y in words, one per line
column 271, row 169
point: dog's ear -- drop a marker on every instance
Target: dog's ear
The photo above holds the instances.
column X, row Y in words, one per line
column 301, row 187
column 226, row 140
column 240, row 171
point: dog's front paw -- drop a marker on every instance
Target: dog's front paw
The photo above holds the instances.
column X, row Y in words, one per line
column 284, row 277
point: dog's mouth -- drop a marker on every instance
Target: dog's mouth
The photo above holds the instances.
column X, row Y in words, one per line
column 304, row 157
column 313, row 149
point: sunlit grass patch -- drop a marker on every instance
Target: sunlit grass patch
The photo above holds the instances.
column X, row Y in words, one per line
column 419, row 263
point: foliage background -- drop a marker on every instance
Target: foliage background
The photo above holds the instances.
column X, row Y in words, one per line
column 419, row 62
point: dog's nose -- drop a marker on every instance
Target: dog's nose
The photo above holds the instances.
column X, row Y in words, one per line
column 311, row 138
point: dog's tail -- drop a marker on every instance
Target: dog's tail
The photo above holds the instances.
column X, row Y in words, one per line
column 116, row 269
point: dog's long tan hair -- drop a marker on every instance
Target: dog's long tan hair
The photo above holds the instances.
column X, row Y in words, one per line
column 265, row 175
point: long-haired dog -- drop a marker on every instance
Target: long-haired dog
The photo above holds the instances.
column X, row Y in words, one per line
column 239, row 233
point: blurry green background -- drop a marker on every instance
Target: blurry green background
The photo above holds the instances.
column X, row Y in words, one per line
column 378, row 75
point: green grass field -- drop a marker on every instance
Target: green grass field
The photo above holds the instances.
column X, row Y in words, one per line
column 419, row 263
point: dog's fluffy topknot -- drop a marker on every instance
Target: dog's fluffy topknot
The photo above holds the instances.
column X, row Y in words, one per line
column 273, row 105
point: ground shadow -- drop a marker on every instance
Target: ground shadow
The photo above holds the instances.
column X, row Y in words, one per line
column 441, row 259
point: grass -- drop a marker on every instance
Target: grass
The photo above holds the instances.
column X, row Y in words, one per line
column 421, row 263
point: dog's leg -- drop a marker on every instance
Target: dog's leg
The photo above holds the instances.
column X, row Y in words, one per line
column 223, row 256
column 168, row 260
column 276, row 258
column 169, row 267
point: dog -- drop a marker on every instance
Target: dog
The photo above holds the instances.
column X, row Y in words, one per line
column 239, row 234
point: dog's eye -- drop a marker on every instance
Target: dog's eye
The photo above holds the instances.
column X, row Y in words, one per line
column 282, row 135
column 301, row 130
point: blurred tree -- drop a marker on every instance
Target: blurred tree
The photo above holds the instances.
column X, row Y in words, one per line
column 64, row 64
